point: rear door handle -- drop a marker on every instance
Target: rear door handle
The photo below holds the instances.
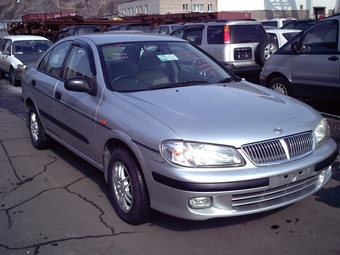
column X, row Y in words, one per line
column 333, row 58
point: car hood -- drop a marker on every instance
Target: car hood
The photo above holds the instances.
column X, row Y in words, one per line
column 28, row 58
column 234, row 113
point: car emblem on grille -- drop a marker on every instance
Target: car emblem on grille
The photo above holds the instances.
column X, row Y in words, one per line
column 278, row 130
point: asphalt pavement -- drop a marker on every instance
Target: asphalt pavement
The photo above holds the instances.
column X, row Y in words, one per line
column 52, row 202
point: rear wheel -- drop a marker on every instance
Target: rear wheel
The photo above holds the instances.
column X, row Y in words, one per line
column 128, row 189
column 38, row 136
column 281, row 85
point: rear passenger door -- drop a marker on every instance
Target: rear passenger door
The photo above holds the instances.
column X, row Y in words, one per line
column 315, row 69
column 45, row 81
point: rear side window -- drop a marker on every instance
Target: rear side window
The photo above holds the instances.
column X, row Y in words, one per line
column 215, row 34
column 52, row 62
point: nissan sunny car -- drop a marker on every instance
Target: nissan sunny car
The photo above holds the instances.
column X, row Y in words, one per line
column 173, row 130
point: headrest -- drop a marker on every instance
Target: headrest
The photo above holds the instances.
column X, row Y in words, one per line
column 149, row 58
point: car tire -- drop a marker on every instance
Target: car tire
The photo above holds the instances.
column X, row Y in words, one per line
column 2, row 75
column 281, row 85
column 264, row 50
column 12, row 78
column 37, row 133
column 128, row 189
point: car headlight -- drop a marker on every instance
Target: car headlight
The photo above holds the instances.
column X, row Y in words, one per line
column 193, row 154
column 322, row 133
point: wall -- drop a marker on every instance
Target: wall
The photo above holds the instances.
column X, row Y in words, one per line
column 260, row 9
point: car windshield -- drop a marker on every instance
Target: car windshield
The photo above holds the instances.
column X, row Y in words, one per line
column 30, row 46
column 142, row 66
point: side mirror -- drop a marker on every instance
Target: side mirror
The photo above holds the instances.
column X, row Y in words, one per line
column 293, row 46
column 80, row 84
column 6, row 52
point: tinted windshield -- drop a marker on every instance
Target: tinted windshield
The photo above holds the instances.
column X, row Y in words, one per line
column 30, row 46
column 140, row 66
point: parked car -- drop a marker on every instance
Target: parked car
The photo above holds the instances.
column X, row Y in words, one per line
column 276, row 22
column 174, row 130
column 309, row 66
column 165, row 29
column 241, row 45
column 77, row 30
column 300, row 24
column 144, row 27
column 281, row 36
column 17, row 51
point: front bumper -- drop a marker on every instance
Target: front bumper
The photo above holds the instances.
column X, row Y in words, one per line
column 269, row 188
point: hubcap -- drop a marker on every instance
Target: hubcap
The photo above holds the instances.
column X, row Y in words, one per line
column 269, row 50
column 278, row 87
column 34, row 126
column 122, row 186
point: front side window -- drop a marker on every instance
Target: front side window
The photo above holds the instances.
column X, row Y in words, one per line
column 321, row 38
column 78, row 65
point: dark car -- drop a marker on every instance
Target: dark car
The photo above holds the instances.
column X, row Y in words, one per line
column 77, row 30
column 132, row 26
column 299, row 24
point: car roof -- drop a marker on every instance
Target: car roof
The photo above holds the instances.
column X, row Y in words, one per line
column 24, row 37
column 221, row 21
column 122, row 36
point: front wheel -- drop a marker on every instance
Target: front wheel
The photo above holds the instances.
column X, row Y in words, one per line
column 13, row 80
column 281, row 85
column 2, row 75
column 128, row 189
column 38, row 136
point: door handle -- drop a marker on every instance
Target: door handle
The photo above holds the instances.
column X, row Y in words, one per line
column 57, row 95
column 333, row 58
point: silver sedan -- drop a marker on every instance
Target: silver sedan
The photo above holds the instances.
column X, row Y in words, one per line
column 173, row 130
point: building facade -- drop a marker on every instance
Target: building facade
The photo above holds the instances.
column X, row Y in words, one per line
column 260, row 9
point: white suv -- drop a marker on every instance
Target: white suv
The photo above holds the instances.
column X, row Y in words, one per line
column 241, row 45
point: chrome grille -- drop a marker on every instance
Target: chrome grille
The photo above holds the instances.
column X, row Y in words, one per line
column 280, row 150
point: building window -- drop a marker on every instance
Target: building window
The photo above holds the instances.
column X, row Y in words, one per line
column 198, row 8
column 185, row 7
column 146, row 9
column 210, row 7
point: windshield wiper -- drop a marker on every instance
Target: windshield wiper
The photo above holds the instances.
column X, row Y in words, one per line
column 178, row 84
column 226, row 80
